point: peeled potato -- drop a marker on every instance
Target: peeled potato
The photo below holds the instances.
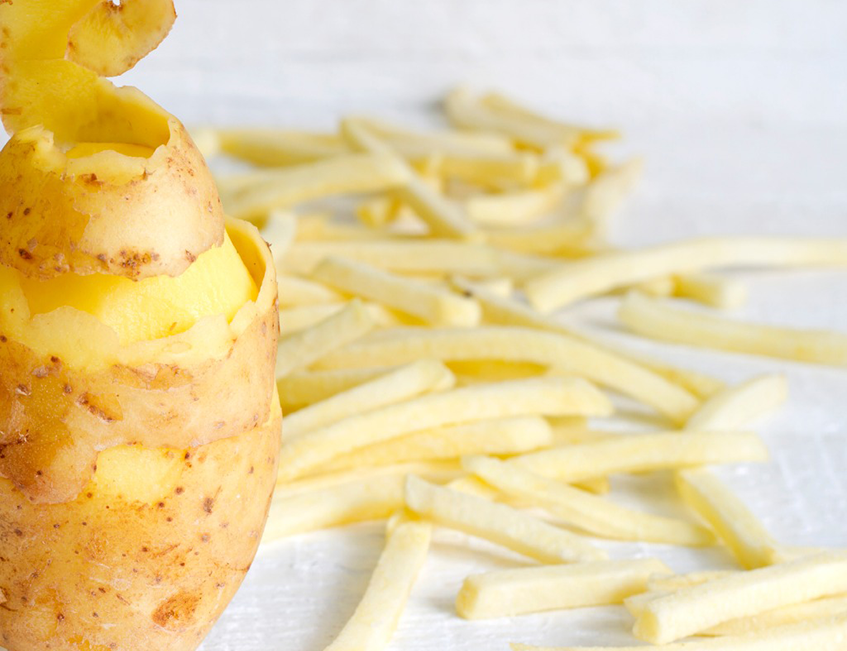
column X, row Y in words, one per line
column 139, row 420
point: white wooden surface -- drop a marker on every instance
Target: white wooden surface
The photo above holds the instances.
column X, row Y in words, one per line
column 741, row 112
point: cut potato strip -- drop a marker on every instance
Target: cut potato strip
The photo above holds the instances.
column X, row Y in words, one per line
column 741, row 405
column 432, row 304
column 644, row 453
column 443, row 141
column 296, row 292
column 594, row 515
column 827, row 634
column 594, row 276
column 499, row 310
column 443, row 217
column 563, row 235
column 279, row 147
column 498, row 287
column 543, row 396
column 677, row 581
column 661, row 320
column 710, row 498
column 353, row 173
column 467, row 112
column 280, row 231
column 698, row 608
column 396, row 386
column 507, row 593
column 742, row 532
column 303, row 388
column 492, row 168
column 369, row 499
column 604, row 194
column 513, row 208
column 520, row 345
column 710, row 289
column 497, row 523
column 499, row 103
column 296, row 319
column 424, row 256
column 299, row 350
column 378, row 613
column 501, row 436
column 435, row 471
column 813, row 610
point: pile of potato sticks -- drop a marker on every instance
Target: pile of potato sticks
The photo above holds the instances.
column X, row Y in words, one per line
column 426, row 383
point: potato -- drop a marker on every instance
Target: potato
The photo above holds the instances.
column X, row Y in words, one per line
column 59, row 208
column 139, row 419
column 149, row 553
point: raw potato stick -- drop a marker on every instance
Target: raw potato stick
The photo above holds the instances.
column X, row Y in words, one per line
column 497, row 523
column 432, row 304
column 393, row 387
column 500, row 436
column 698, row 608
column 710, row 498
column 644, row 453
column 299, row 350
column 378, row 613
column 507, row 311
column 662, row 320
column 282, row 188
column 370, row 499
column 592, row 514
column 598, row 275
column 710, row 289
column 519, row 345
column 303, row 388
column 827, row 634
column 419, row 256
column 296, row 292
column 507, row 593
column 553, row 396
column 443, row 217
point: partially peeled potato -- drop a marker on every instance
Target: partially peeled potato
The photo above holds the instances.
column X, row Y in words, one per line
column 139, row 424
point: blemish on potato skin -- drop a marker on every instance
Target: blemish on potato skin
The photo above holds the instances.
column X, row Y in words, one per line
column 208, row 504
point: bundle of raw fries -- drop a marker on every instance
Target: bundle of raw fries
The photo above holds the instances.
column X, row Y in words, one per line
column 426, row 384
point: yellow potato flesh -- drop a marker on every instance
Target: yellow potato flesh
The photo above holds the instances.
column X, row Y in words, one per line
column 216, row 283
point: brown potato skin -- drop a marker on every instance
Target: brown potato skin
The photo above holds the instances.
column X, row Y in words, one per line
column 59, row 215
column 157, row 573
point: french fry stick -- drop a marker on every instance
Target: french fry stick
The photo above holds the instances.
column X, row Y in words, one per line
column 676, row 581
column 500, row 310
column 424, row 256
column 603, row 273
column 592, row 514
column 378, row 613
column 302, row 388
column 513, row 208
column 296, row 292
column 811, row 610
column 698, row 608
column 441, row 215
column 497, row 523
column 706, row 495
column 644, row 453
column 661, row 320
column 393, row 387
column 553, row 396
column 432, row 304
column 522, row 345
column 825, row 634
column 501, row 436
column 279, row 231
column 368, row 499
column 711, row 289
column 280, row 147
column 507, row 593
column 502, row 104
column 299, row 350
column 439, row 472
column 285, row 187
column 443, row 141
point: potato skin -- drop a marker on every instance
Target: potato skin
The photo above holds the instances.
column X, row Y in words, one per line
column 121, row 568
column 56, row 416
column 59, row 213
